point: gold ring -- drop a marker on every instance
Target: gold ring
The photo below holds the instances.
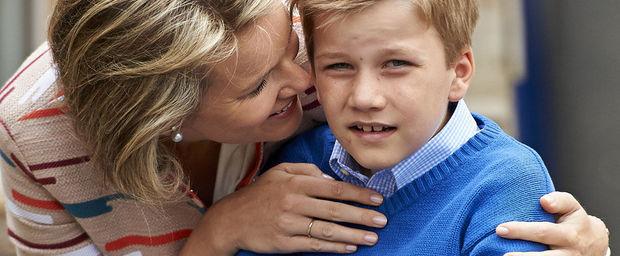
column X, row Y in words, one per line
column 310, row 228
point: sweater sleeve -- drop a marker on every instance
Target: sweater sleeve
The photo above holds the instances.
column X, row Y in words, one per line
column 58, row 201
column 37, row 223
column 514, row 196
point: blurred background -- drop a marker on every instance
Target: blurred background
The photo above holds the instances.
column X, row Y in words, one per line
column 547, row 71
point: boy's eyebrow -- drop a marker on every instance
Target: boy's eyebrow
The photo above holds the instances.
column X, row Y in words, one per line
column 330, row 55
column 389, row 51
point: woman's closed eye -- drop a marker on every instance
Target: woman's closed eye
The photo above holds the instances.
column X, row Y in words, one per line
column 258, row 90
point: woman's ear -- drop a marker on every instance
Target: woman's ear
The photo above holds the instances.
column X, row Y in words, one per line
column 464, row 69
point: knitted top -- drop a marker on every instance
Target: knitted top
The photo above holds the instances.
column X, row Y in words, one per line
column 454, row 208
column 57, row 200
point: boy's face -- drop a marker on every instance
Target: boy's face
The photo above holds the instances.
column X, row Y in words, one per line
column 384, row 83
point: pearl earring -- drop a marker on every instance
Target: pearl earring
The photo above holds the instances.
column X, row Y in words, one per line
column 177, row 136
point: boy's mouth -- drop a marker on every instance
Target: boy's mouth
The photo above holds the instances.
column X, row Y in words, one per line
column 371, row 127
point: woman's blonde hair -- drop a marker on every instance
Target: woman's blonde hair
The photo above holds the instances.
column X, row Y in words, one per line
column 455, row 20
column 133, row 69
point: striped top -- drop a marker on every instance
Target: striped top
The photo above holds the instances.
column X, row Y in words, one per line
column 460, row 128
column 56, row 197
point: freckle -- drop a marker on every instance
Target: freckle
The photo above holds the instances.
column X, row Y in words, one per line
column 361, row 59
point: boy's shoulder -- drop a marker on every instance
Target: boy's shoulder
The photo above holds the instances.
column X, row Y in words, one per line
column 506, row 152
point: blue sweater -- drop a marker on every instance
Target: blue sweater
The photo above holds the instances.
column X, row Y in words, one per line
column 454, row 208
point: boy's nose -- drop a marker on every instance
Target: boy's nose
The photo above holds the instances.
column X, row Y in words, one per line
column 366, row 94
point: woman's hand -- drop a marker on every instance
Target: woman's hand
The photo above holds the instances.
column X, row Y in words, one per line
column 575, row 233
column 273, row 215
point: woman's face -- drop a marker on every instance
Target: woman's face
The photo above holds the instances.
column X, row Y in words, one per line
column 253, row 95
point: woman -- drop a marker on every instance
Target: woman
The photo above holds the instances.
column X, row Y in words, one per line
column 155, row 124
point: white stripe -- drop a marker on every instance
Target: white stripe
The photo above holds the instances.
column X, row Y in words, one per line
column 88, row 250
column 45, row 82
column 136, row 253
column 38, row 218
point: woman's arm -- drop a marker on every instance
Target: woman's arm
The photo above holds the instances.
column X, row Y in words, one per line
column 273, row 215
column 575, row 233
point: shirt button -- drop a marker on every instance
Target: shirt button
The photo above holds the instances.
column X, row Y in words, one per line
column 343, row 171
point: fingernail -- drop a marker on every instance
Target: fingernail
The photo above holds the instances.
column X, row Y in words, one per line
column 379, row 220
column 501, row 230
column 328, row 177
column 351, row 248
column 372, row 239
column 376, row 199
column 550, row 200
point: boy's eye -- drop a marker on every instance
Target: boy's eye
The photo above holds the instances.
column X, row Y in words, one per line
column 338, row 66
column 397, row 63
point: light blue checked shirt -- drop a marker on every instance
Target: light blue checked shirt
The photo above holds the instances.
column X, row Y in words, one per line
column 460, row 128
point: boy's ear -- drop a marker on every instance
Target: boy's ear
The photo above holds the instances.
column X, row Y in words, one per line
column 464, row 69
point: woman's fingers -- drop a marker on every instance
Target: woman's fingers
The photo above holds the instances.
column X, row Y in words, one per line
column 545, row 253
column 561, row 203
column 541, row 232
column 339, row 212
column 325, row 186
column 338, row 190
column 329, row 231
column 307, row 244
column 301, row 169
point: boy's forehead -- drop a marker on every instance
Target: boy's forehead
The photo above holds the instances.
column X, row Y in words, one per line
column 326, row 17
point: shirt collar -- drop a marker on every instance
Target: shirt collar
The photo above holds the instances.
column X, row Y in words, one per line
column 458, row 130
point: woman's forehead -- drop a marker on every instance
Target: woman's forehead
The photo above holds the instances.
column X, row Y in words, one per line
column 260, row 46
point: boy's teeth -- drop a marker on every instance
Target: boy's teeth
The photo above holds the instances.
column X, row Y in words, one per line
column 376, row 129
column 371, row 128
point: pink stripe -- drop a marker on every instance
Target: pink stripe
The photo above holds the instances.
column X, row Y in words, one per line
column 6, row 94
column 6, row 128
column 43, row 181
column 312, row 105
column 22, row 71
column 61, row 163
column 43, row 204
column 126, row 241
column 310, row 90
column 42, row 113
column 75, row 241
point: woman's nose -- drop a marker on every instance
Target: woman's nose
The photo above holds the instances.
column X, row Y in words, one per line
column 297, row 81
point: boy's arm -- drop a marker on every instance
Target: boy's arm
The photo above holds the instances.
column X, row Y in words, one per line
column 515, row 198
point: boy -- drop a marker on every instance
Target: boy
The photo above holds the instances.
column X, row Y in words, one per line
column 391, row 76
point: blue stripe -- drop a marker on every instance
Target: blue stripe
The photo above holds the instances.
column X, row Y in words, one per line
column 93, row 208
column 7, row 159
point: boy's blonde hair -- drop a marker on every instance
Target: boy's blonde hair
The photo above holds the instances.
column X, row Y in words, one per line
column 133, row 69
column 455, row 20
